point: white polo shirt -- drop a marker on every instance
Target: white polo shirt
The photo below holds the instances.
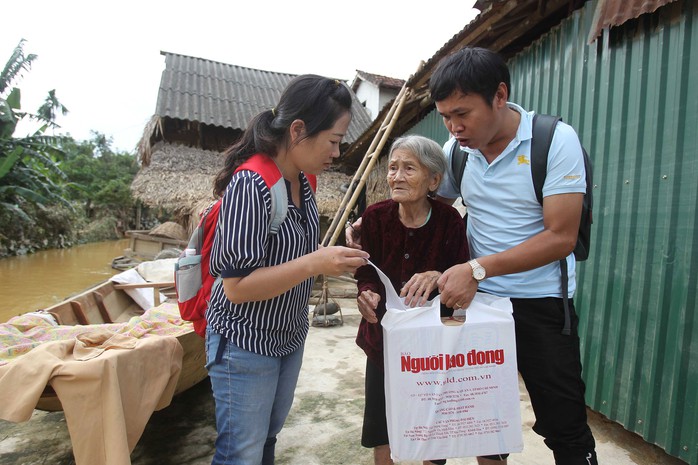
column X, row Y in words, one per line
column 503, row 210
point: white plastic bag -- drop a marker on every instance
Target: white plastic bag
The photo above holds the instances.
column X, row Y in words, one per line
column 451, row 391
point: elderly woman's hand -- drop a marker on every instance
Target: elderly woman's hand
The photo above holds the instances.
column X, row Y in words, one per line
column 352, row 234
column 416, row 291
column 367, row 303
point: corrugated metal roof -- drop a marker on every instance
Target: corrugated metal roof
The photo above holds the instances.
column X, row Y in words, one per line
column 611, row 13
column 225, row 95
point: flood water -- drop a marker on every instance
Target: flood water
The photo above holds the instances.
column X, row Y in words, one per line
column 37, row 280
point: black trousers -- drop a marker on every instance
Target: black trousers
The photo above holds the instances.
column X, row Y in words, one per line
column 550, row 366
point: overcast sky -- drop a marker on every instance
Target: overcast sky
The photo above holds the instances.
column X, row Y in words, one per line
column 103, row 58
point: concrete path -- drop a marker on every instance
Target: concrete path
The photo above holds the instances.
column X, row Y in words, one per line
column 323, row 428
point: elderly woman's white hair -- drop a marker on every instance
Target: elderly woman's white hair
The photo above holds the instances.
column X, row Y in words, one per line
column 428, row 152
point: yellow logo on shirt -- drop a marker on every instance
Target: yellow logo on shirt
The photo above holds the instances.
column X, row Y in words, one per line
column 523, row 160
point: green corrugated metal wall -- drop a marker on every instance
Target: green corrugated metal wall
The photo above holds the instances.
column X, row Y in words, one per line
column 633, row 98
column 432, row 127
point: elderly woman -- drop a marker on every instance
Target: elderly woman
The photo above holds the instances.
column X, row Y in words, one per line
column 412, row 239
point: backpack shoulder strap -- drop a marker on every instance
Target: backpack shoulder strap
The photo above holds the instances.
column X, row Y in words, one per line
column 211, row 217
column 458, row 160
column 198, row 236
column 312, row 180
column 543, row 130
column 267, row 169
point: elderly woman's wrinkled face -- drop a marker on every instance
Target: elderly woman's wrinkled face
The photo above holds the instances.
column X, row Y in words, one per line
column 408, row 179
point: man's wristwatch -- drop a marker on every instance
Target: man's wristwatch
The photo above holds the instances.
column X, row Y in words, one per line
column 479, row 272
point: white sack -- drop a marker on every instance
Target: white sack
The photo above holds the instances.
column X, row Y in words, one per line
column 158, row 271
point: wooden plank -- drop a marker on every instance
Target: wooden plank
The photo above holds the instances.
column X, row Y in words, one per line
column 78, row 312
column 99, row 298
column 143, row 285
column 156, row 288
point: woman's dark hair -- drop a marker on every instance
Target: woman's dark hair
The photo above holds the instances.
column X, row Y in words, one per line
column 317, row 101
column 471, row 70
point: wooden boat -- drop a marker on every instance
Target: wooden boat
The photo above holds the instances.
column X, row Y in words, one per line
column 145, row 246
column 109, row 303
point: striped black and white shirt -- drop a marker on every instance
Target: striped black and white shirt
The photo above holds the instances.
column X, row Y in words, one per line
column 278, row 326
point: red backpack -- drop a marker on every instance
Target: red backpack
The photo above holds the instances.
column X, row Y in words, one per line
column 193, row 281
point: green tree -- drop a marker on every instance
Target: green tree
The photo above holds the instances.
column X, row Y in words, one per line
column 30, row 175
column 100, row 178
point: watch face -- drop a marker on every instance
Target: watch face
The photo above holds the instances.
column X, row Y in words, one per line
column 479, row 273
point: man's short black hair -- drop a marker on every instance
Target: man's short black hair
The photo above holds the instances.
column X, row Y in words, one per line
column 471, row 70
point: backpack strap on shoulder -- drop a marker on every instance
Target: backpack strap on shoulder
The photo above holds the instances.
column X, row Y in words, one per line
column 543, row 131
column 279, row 205
column 458, row 160
column 267, row 169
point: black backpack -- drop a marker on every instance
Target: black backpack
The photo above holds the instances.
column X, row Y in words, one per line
column 543, row 130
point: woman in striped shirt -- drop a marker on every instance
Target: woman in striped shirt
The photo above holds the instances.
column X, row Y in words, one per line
column 258, row 318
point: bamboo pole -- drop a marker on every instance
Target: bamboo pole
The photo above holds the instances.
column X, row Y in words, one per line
column 336, row 223
column 372, row 159
column 354, row 190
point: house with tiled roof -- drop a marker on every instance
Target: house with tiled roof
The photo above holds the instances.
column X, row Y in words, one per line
column 374, row 90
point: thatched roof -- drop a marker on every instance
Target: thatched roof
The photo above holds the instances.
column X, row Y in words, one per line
column 177, row 178
column 180, row 179
column 171, row 230
column 329, row 192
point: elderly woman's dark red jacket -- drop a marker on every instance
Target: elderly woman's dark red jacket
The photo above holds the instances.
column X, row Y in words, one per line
column 400, row 252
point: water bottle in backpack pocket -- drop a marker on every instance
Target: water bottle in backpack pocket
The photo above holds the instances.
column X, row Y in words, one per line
column 188, row 275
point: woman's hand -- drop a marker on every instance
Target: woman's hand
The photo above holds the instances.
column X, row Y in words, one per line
column 336, row 260
column 267, row 282
column 416, row 291
column 352, row 234
column 368, row 302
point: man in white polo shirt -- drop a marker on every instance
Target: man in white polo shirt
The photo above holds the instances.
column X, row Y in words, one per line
column 517, row 244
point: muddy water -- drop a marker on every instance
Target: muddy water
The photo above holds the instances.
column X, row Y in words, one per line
column 38, row 280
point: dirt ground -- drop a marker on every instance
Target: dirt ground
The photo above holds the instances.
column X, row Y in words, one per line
column 324, row 426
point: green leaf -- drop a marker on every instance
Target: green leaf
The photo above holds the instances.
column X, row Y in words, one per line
column 15, row 99
column 8, row 162
column 17, row 63
column 17, row 211
column 31, row 195
column 8, row 120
